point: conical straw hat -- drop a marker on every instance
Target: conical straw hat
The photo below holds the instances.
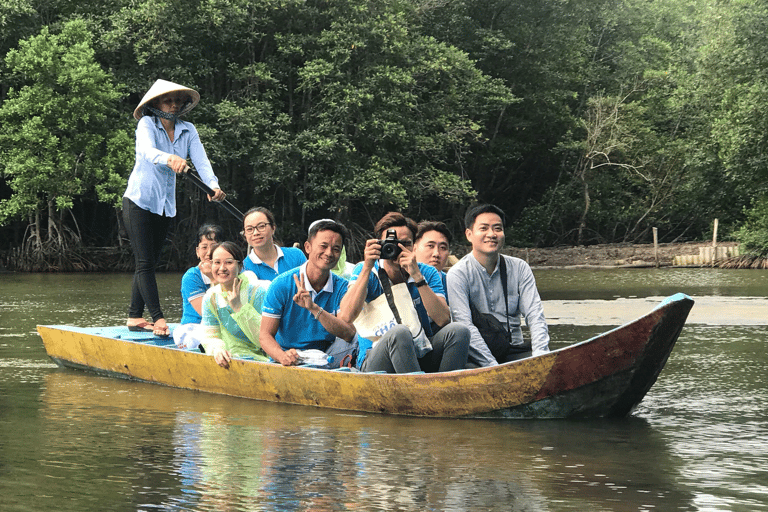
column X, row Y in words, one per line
column 161, row 87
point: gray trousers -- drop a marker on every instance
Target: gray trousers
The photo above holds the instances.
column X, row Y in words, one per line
column 395, row 353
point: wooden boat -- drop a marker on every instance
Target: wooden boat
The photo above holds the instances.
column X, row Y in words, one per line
column 605, row 376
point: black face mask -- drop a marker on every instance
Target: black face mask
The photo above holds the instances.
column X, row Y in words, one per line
column 168, row 115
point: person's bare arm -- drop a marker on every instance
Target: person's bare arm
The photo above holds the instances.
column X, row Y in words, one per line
column 353, row 300
column 330, row 323
column 437, row 307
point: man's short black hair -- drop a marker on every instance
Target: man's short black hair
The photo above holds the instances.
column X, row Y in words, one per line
column 394, row 220
column 426, row 226
column 328, row 225
column 475, row 211
column 211, row 232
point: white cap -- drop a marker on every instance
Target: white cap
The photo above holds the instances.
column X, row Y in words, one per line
column 319, row 220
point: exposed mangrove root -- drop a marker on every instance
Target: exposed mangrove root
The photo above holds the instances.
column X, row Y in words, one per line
column 745, row 261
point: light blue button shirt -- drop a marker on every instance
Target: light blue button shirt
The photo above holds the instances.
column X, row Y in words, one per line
column 468, row 282
column 152, row 184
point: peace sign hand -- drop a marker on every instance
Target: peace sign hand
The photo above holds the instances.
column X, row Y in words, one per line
column 302, row 297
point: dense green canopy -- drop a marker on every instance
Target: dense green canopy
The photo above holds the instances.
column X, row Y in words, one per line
column 586, row 120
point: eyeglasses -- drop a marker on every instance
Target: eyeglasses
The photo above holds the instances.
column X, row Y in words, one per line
column 259, row 228
column 224, row 262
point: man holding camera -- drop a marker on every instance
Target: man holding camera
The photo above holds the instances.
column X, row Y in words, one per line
column 395, row 352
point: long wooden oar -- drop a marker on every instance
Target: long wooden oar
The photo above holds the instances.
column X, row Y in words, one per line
column 195, row 179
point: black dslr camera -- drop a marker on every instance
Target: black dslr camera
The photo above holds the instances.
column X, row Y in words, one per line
column 390, row 249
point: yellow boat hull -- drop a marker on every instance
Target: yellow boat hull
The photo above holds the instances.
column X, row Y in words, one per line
column 605, row 376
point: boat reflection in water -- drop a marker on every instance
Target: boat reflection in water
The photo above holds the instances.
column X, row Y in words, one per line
column 125, row 445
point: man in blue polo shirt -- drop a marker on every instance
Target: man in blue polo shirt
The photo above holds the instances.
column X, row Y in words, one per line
column 395, row 352
column 299, row 311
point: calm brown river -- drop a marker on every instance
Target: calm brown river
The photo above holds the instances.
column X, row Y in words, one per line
column 73, row 441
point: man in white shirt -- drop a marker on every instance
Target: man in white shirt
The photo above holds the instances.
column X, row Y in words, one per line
column 475, row 282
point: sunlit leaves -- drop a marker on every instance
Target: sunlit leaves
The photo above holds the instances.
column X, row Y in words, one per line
column 58, row 138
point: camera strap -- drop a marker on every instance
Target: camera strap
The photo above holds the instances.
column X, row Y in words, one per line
column 387, row 286
column 503, row 276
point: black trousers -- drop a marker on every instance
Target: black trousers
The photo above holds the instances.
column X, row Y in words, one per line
column 146, row 231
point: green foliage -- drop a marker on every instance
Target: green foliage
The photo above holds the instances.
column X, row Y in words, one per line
column 735, row 65
column 640, row 155
column 753, row 234
column 59, row 138
column 317, row 108
column 10, row 9
column 392, row 113
column 586, row 120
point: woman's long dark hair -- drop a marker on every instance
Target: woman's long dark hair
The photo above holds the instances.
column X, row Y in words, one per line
column 232, row 248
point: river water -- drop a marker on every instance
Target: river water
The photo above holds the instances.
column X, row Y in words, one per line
column 73, row 441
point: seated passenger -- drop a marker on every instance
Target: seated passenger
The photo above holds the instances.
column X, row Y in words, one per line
column 433, row 246
column 343, row 268
column 265, row 258
column 300, row 307
column 475, row 283
column 395, row 352
column 232, row 308
column 194, row 284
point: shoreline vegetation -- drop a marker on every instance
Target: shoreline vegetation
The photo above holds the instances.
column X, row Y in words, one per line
column 617, row 255
column 587, row 122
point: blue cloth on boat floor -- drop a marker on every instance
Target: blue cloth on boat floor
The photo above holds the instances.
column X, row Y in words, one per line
column 121, row 332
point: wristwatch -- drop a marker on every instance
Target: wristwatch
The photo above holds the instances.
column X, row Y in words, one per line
column 421, row 283
column 319, row 312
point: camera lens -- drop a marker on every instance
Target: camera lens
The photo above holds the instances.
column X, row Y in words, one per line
column 389, row 250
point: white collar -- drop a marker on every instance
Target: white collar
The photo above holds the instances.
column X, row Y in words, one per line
column 206, row 279
column 257, row 260
column 479, row 266
column 308, row 286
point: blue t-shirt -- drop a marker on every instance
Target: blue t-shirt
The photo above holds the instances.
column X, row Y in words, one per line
column 193, row 285
column 287, row 258
column 298, row 328
column 431, row 275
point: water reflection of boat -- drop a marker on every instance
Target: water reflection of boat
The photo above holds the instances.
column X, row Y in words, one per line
column 199, row 451
column 605, row 376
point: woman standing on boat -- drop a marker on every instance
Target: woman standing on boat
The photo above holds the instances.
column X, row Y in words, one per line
column 232, row 308
column 163, row 144
column 265, row 258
